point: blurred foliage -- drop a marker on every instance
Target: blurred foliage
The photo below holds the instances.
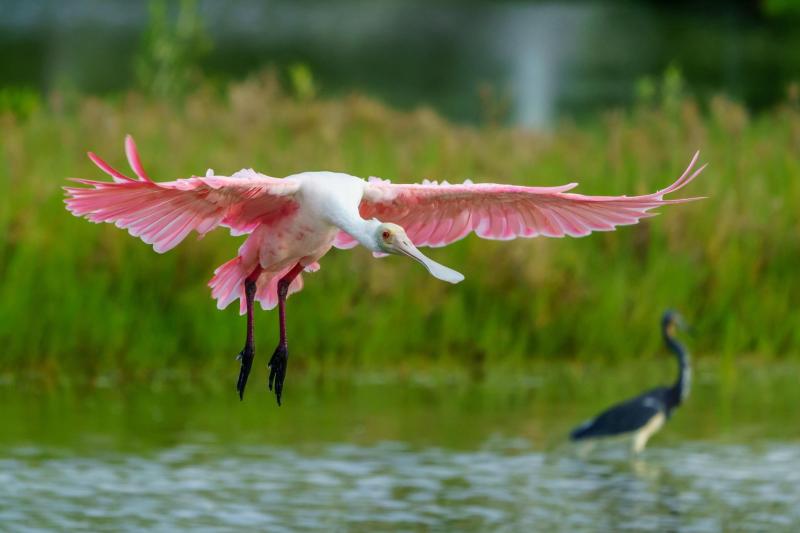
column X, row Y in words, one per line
column 781, row 7
column 302, row 81
column 668, row 91
column 20, row 101
column 167, row 64
column 80, row 297
column 495, row 105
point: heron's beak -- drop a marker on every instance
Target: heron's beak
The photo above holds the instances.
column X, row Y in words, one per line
column 404, row 246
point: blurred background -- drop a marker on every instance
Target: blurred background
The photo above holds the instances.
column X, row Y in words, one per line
column 545, row 60
column 409, row 404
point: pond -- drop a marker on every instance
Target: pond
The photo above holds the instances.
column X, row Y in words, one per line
column 391, row 455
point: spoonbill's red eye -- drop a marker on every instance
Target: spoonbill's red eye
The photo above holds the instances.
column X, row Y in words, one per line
column 386, row 235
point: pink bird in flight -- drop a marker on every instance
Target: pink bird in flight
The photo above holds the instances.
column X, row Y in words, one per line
column 292, row 222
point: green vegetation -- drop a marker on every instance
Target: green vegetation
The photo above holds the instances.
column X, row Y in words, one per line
column 77, row 297
column 167, row 65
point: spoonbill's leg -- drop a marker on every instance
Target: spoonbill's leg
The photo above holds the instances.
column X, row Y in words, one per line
column 249, row 351
column 279, row 360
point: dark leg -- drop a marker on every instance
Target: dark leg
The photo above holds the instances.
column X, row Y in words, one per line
column 249, row 351
column 277, row 365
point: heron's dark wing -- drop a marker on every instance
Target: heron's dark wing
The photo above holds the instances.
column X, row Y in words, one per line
column 622, row 418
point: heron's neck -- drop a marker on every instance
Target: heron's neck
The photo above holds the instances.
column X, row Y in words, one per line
column 364, row 231
column 683, row 383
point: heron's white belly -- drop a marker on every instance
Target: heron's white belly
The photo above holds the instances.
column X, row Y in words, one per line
column 641, row 437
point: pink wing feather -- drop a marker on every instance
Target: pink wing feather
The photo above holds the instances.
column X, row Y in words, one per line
column 163, row 214
column 438, row 214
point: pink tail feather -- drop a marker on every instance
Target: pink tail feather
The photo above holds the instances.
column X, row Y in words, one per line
column 267, row 291
column 227, row 284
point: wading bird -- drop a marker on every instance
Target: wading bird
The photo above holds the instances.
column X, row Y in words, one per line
column 642, row 416
column 292, row 222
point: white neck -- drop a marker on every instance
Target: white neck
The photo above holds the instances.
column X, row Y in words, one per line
column 364, row 231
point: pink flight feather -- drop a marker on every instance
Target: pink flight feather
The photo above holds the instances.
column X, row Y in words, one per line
column 133, row 159
column 439, row 214
column 163, row 214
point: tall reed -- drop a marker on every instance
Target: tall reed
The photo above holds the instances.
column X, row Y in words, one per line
column 79, row 297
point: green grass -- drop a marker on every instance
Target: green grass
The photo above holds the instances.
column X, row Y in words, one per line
column 78, row 297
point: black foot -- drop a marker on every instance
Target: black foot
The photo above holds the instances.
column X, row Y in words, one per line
column 246, row 357
column 277, row 370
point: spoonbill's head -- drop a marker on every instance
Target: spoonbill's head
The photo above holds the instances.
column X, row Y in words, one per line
column 392, row 239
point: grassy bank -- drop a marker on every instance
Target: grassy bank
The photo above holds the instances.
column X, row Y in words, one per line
column 80, row 297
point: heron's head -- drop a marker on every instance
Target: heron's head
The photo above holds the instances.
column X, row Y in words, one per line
column 392, row 239
column 671, row 322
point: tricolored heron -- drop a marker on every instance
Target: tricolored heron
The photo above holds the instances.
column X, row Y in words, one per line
column 641, row 416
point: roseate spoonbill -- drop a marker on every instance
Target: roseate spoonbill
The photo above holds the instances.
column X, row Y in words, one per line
column 642, row 416
column 294, row 221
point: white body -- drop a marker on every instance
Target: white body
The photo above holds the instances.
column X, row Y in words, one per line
column 328, row 203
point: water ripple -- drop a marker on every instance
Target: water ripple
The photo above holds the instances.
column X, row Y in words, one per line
column 389, row 486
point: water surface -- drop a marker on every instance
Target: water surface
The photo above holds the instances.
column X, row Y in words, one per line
column 395, row 456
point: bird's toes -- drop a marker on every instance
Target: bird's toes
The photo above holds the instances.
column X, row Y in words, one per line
column 277, row 370
column 246, row 357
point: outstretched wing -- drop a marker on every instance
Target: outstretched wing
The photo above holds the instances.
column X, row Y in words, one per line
column 438, row 214
column 163, row 214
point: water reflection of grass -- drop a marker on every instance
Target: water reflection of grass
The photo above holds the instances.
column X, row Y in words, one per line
column 534, row 407
column 75, row 296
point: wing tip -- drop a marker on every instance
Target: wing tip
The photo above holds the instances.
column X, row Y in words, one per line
column 687, row 177
column 115, row 174
column 133, row 159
